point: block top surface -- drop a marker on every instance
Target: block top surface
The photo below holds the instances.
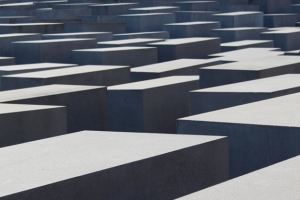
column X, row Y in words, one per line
column 17, row 4
column 4, row 58
column 237, row 13
column 264, row 85
column 113, row 49
column 145, row 14
column 27, row 93
column 204, row 2
column 78, row 33
column 159, row 82
column 31, row 24
column 240, row 29
column 130, row 41
column 66, row 71
column 114, row 4
column 15, row 108
column 18, row 34
column 34, row 66
column 278, row 181
column 55, row 159
column 192, row 23
column 155, row 8
column 54, row 40
column 183, row 41
column 243, row 42
column 281, row 111
column 172, row 65
column 282, row 31
column 140, row 33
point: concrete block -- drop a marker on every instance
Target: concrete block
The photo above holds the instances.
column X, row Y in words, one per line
column 18, row 6
column 220, row 97
column 128, row 42
column 112, row 9
column 99, row 19
column 70, row 6
column 240, row 19
column 272, row 6
column 158, row 34
column 112, row 165
column 58, row 50
column 86, row 106
column 62, row 14
column 99, row 36
column 15, row 19
column 197, row 5
column 48, row 4
column 24, row 123
column 146, row 22
column 186, row 48
column 191, row 16
column 95, row 27
column 280, row 20
column 151, row 105
column 232, row 46
column 237, row 8
column 42, row 28
column 260, row 133
column 292, row 53
column 248, row 70
column 237, row 34
column 132, row 56
column 83, row 75
column 7, row 61
column 171, row 68
column 238, row 2
column 155, row 9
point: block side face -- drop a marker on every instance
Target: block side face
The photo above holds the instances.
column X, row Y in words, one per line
column 142, row 76
column 87, row 58
column 11, row 83
column 18, row 50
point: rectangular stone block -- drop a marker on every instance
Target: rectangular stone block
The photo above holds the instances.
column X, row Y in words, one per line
column 48, row 4
column 61, row 14
column 191, row 29
column 7, row 61
column 191, row 16
column 151, row 105
column 24, row 123
column 115, row 28
column 232, row 46
column 280, row 20
column 99, row 36
column 155, row 9
column 272, row 6
column 112, row 165
column 68, row 6
column 248, row 70
column 128, row 42
column 197, row 5
column 171, row 68
column 132, row 56
column 112, row 8
column 237, row 34
column 260, row 133
column 82, row 75
column 237, row 8
column 57, row 50
column 240, row 19
column 15, row 19
column 158, row 34
column 86, row 106
column 42, row 28
column 99, row 18
column 292, row 53
column 220, row 97
column 146, row 22
column 186, row 48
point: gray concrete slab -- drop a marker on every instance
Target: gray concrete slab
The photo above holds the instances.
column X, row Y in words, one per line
column 96, row 75
column 158, row 34
column 24, row 123
column 171, row 68
column 86, row 106
column 99, row 36
column 280, row 20
column 61, row 14
column 232, row 46
column 15, row 19
column 237, row 8
column 32, row 28
column 151, row 105
column 239, row 19
column 128, row 42
column 67, row 6
column 186, row 48
column 115, row 28
column 132, row 56
column 248, row 70
column 273, row 6
column 112, row 8
column 146, row 22
column 292, row 53
column 56, row 50
column 7, row 61
column 154, row 9
column 191, row 29
column 197, row 5
column 48, row 4
column 237, row 34
column 260, row 133
column 191, row 16
column 220, row 97
column 113, row 165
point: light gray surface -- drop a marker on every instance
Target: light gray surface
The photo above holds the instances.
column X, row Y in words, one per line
column 100, row 75
column 112, row 165
column 86, row 105
column 128, row 42
column 197, row 5
column 260, row 133
column 151, row 105
column 231, row 46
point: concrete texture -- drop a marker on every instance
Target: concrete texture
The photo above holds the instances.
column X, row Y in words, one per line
column 7, row 61
column 191, row 16
column 151, row 105
column 260, row 133
column 186, row 48
column 112, row 9
column 220, row 97
column 115, row 28
column 111, row 165
column 97, row 75
column 99, row 36
column 140, row 42
column 155, row 9
column 86, row 106
column 62, row 14
column 171, row 68
column 272, row 6
column 42, row 28
column 132, row 56
column 231, row 46
column 24, row 123
column 197, row 5
column 280, row 20
column 56, row 50
column 158, row 35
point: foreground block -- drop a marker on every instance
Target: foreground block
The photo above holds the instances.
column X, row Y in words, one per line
column 132, row 56
column 232, row 46
column 260, row 134
column 149, row 106
column 96, row 75
column 86, row 106
column 112, row 165
column 24, row 123
column 99, row 36
column 215, row 98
